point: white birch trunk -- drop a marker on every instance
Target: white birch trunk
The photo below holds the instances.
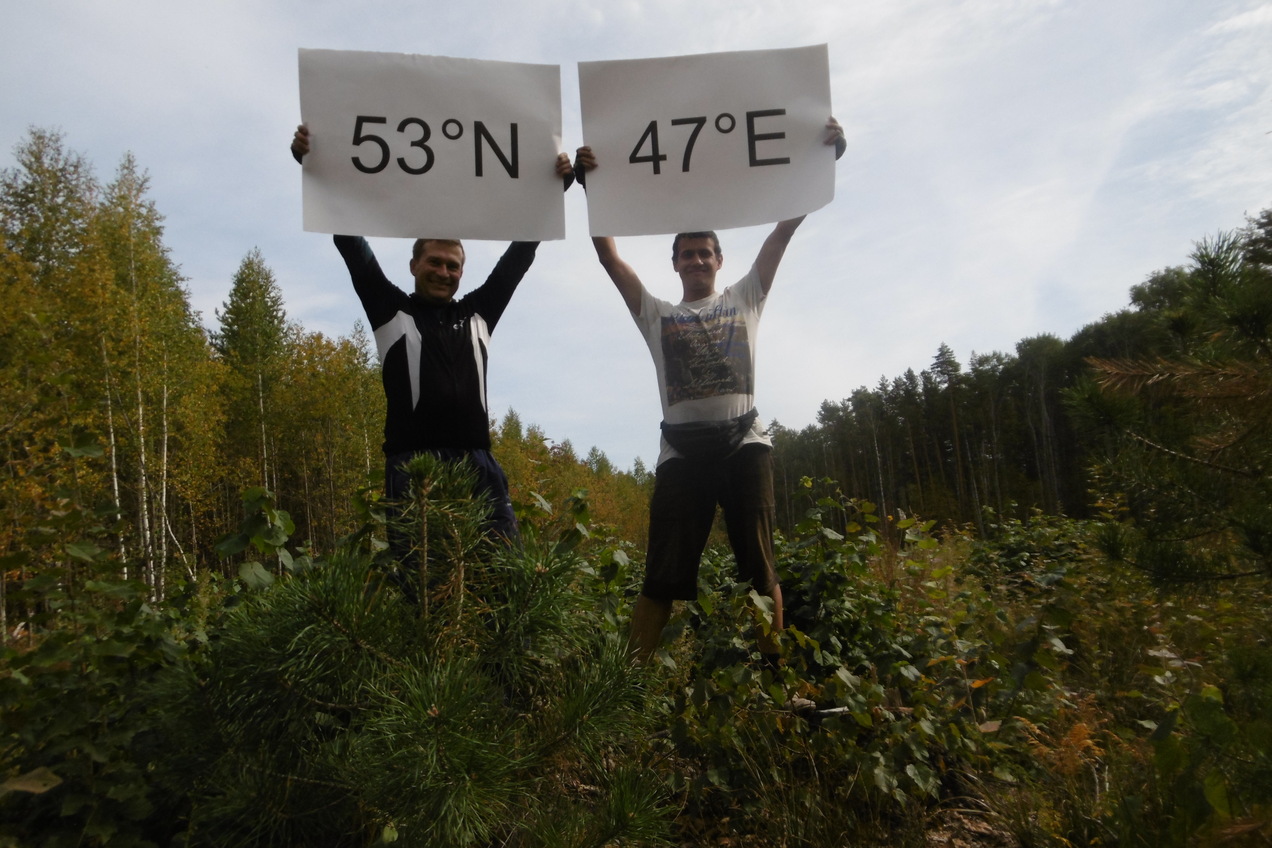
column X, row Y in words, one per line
column 163, row 487
column 113, row 442
column 260, row 402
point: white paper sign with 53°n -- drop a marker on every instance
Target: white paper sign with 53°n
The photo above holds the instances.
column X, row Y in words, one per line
column 412, row 146
column 707, row 141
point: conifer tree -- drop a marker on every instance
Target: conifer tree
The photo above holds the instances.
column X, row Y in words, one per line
column 1192, row 451
column 253, row 343
column 46, row 203
column 488, row 705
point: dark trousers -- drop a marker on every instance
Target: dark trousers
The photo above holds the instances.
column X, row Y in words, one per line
column 683, row 508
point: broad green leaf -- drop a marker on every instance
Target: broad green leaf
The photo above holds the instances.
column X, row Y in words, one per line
column 231, row 544
column 255, row 575
column 1216, row 791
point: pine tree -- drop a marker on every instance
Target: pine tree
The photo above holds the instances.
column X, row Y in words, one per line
column 253, row 342
column 46, row 203
column 1192, row 450
column 496, row 705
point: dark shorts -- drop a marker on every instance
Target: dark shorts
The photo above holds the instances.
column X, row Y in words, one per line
column 491, row 484
column 682, row 510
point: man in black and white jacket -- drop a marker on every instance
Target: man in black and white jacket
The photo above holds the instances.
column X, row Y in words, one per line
column 433, row 351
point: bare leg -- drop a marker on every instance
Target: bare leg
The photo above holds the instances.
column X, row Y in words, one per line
column 649, row 617
column 768, row 643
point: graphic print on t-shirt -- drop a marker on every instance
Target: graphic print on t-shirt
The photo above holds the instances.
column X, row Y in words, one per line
column 706, row 355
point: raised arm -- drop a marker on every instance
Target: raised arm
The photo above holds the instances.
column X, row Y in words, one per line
column 622, row 274
column 770, row 255
column 774, row 246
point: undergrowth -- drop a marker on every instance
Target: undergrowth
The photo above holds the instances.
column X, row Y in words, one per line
column 484, row 697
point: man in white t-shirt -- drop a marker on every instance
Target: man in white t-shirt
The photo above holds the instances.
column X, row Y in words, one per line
column 714, row 451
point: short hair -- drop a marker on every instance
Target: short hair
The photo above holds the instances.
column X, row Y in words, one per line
column 418, row 247
column 715, row 240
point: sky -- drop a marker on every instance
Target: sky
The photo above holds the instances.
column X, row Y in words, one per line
column 1013, row 169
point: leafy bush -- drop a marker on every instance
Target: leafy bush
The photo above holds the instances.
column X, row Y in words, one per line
column 484, row 695
column 326, row 708
column 78, row 711
column 900, row 686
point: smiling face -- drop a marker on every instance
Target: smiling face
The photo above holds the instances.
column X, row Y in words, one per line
column 697, row 258
column 437, row 268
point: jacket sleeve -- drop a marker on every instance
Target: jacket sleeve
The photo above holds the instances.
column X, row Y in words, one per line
column 491, row 298
column 380, row 298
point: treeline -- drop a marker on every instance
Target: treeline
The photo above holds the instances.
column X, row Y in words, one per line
column 114, row 394
column 947, row 442
column 1031, row 431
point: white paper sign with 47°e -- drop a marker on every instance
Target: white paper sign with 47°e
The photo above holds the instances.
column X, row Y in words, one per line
column 413, row 146
column 709, row 141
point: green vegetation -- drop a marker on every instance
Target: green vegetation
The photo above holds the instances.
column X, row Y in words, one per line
column 1020, row 685
column 203, row 642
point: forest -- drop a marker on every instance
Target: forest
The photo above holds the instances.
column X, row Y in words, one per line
column 1028, row 594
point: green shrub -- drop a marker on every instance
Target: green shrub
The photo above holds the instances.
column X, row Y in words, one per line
column 322, row 707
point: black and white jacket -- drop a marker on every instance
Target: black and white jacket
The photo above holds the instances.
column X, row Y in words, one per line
column 433, row 358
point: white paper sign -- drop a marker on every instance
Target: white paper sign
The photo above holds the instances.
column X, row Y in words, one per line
column 706, row 142
column 428, row 146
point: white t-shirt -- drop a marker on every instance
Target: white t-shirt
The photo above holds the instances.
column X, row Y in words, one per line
column 704, row 355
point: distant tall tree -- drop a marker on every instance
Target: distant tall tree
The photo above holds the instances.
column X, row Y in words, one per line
column 159, row 388
column 46, row 203
column 598, row 463
column 53, row 285
column 908, row 402
column 253, row 343
column 642, row 475
column 1041, row 380
column 946, row 374
column 986, row 407
column 868, row 410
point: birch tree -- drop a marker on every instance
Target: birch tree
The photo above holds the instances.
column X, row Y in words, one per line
column 159, row 372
